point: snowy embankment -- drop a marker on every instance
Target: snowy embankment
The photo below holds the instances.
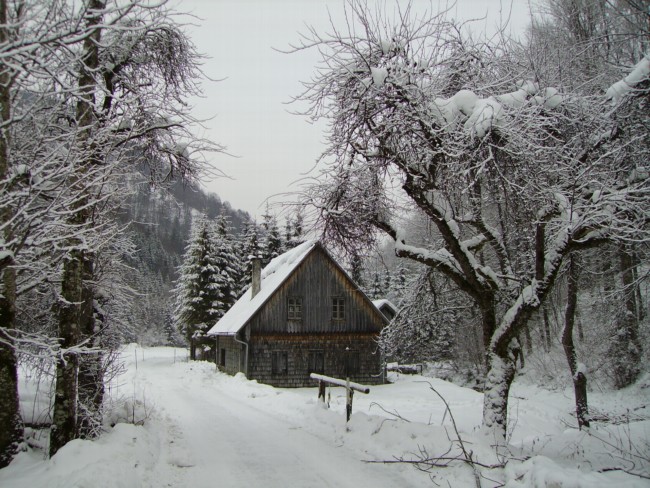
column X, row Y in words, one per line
column 201, row 428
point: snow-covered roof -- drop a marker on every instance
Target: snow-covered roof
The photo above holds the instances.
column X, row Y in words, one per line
column 383, row 301
column 273, row 275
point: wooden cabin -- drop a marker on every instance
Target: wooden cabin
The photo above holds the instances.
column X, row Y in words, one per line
column 303, row 314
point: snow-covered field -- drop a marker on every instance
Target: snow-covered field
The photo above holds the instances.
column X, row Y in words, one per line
column 200, row 428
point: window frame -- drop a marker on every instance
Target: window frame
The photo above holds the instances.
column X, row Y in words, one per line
column 294, row 315
column 338, row 308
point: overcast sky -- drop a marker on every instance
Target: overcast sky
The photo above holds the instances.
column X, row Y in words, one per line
column 248, row 108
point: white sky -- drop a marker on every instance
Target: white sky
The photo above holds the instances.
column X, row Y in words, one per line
column 248, row 109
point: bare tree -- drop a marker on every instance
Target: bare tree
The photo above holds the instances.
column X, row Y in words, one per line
column 512, row 175
column 578, row 372
column 89, row 91
column 135, row 69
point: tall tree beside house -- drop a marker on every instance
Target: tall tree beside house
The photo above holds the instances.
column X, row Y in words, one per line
column 133, row 68
column 10, row 419
column 38, row 44
column 248, row 246
column 228, row 264
column 356, row 270
column 198, row 289
column 419, row 112
column 271, row 243
column 294, row 232
column 89, row 90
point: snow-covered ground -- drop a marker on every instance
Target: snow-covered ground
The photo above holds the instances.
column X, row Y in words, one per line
column 200, row 428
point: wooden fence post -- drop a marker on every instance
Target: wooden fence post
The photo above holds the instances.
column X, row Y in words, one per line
column 349, row 386
column 348, row 406
column 321, row 391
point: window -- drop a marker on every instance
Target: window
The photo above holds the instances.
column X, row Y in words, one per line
column 222, row 358
column 338, row 308
column 279, row 362
column 317, row 362
column 294, row 308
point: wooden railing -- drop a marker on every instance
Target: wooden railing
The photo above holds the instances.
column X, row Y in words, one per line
column 350, row 388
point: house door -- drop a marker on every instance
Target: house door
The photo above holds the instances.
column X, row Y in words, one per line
column 317, row 362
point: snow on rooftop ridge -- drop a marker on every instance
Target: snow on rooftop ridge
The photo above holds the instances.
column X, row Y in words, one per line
column 288, row 258
column 383, row 301
column 273, row 275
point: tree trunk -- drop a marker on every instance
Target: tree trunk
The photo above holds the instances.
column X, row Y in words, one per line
column 547, row 329
column 577, row 371
column 626, row 349
column 73, row 290
column 64, row 417
column 501, row 364
column 11, row 427
column 501, row 367
column 91, row 374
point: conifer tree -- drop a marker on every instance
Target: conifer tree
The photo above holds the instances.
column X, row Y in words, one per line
column 198, row 289
column 375, row 291
column 227, row 265
column 272, row 245
column 356, row 270
column 248, row 246
column 294, row 231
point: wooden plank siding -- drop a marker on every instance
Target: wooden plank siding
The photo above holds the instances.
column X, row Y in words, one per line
column 229, row 355
column 362, row 351
column 318, row 280
column 283, row 350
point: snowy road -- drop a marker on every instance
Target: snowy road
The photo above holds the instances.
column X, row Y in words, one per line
column 198, row 428
column 209, row 437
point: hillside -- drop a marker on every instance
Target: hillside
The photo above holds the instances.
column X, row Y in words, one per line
column 158, row 223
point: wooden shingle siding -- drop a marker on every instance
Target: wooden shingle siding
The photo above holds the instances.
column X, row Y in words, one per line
column 363, row 356
column 317, row 281
column 234, row 355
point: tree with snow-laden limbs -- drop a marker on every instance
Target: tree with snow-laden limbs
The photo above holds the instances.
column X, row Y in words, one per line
column 206, row 288
column 596, row 38
column 513, row 176
column 90, row 91
column 423, row 329
column 197, row 290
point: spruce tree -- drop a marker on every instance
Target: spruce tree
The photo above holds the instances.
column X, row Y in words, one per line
column 271, row 244
column 198, row 289
column 248, row 247
column 227, row 265
column 356, row 270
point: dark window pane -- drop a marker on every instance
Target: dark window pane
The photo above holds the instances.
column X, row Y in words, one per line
column 338, row 308
column 294, row 308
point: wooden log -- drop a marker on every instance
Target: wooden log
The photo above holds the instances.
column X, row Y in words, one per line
column 338, row 382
